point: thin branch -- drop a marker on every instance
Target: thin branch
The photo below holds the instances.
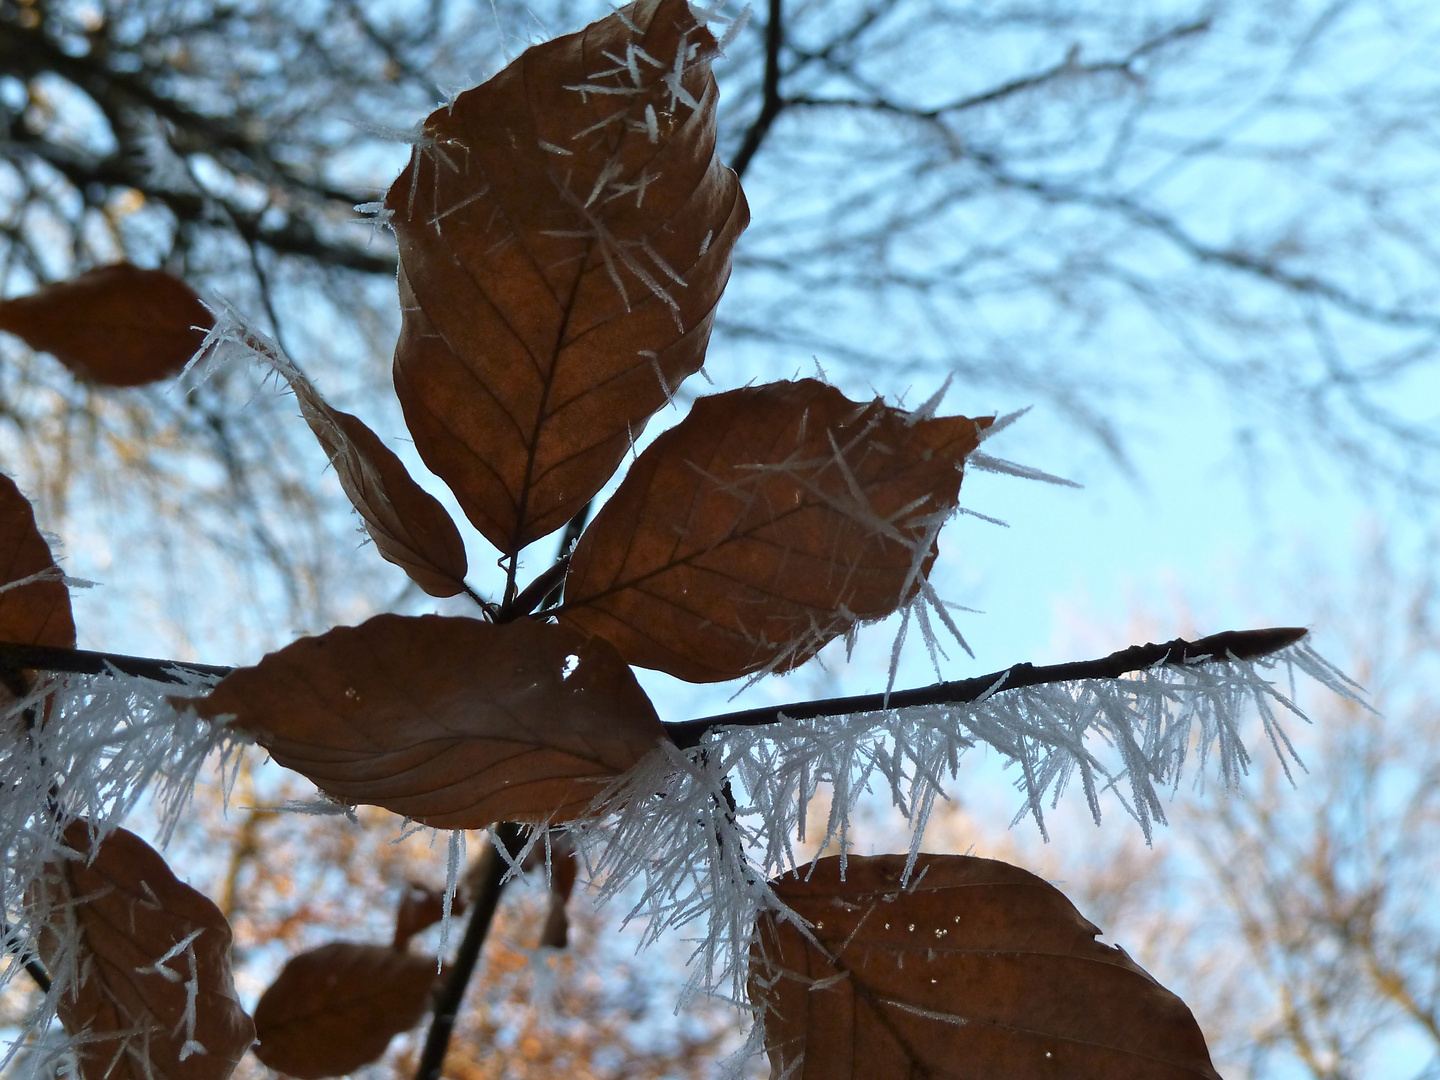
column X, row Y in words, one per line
column 1068, row 68
column 293, row 236
column 31, row 963
column 490, row 882
column 1257, row 266
column 1229, row 645
column 1217, row 648
column 772, row 103
column 39, row 974
column 84, row 662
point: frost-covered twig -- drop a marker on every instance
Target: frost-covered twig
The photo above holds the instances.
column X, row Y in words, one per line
column 1225, row 646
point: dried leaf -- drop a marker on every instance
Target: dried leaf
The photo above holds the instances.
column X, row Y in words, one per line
column 769, row 521
column 37, row 612
column 118, row 325
column 455, row 723
column 975, row 969
column 565, row 232
column 155, row 999
column 409, row 526
column 336, row 1008
column 421, row 908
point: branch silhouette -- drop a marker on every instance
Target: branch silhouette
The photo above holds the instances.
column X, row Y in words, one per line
column 1229, row 645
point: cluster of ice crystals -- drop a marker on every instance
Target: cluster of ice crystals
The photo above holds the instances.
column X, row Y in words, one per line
column 85, row 746
column 703, row 830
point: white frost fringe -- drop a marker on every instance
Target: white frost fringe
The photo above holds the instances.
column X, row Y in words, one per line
column 105, row 742
column 668, row 823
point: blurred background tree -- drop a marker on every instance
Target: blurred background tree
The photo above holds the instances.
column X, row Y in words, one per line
column 1106, row 210
column 1094, row 208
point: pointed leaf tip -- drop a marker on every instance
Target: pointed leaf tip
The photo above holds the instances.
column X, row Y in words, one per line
column 145, row 963
column 117, row 325
column 766, row 523
column 454, row 723
column 565, row 232
column 972, row 968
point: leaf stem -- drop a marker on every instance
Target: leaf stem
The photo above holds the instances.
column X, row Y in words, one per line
column 534, row 594
column 1228, row 645
column 490, row 882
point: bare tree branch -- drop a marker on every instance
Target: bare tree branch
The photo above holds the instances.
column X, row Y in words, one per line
column 771, row 104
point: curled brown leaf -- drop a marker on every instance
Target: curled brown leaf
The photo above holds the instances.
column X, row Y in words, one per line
column 334, row 1009
column 409, row 526
column 146, row 963
column 455, row 723
column 565, row 232
column 770, row 520
column 118, row 325
column 970, row 970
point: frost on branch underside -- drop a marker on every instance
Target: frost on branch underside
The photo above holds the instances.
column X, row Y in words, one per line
column 106, row 741
column 669, row 825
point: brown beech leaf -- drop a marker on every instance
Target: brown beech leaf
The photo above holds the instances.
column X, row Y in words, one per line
column 336, row 1008
column 421, row 907
column 767, row 522
column 565, row 232
column 455, row 723
column 976, row 969
column 409, row 526
column 37, row 612
column 118, row 325
column 145, row 945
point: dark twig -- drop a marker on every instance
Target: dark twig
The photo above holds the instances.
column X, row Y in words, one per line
column 39, row 974
column 772, row 104
column 32, row 963
column 489, row 883
column 84, row 662
column 1231, row 644
column 1068, row 68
